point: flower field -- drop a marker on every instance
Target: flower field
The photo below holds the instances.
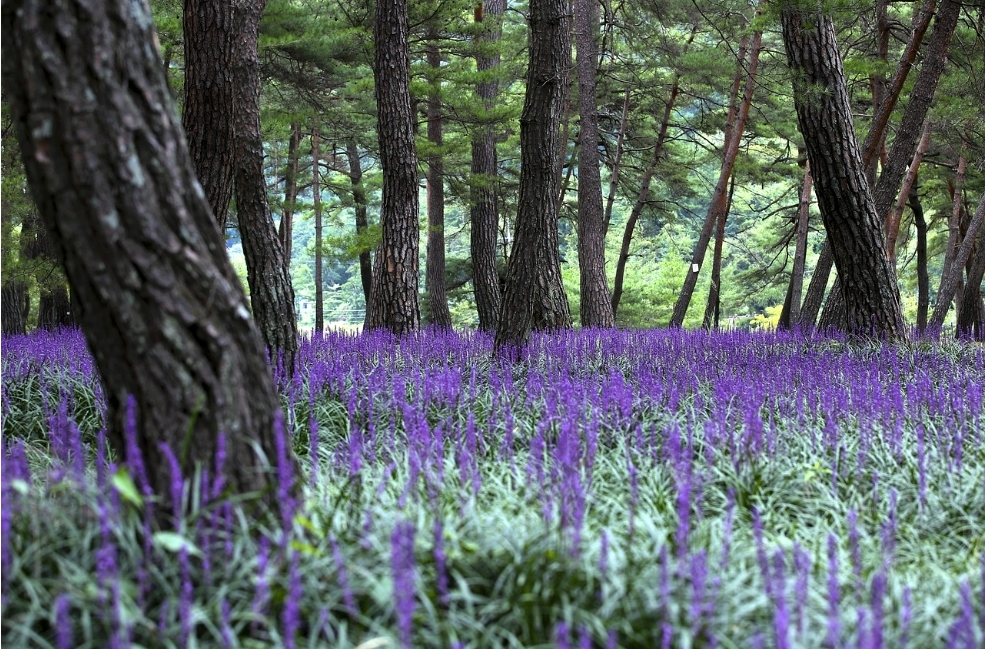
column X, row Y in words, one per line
column 658, row 489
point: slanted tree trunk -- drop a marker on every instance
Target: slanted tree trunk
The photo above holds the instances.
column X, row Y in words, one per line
column 535, row 297
column 484, row 215
column 395, row 303
column 895, row 216
column 319, row 243
column 847, row 208
column 271, row 293
column 286, row 231
column 719, row 199
column 952, row 273
column 617, row 161
column 434, row 272
column 923, row 279
column 791, row 312
column 362, row 222
column 815, row 290
column 714, row 306
column 209, row 31
column 162, row 310
column 596, row 300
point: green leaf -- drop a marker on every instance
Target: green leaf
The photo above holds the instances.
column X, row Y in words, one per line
column 174, row 542
column 124, row 485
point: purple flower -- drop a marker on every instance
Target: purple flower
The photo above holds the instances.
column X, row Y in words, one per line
column 176, row 480
column 290, row 616
column 402, row 562
column 225, row 628
column 562, row 636
column 834, row 596
column 63, row 622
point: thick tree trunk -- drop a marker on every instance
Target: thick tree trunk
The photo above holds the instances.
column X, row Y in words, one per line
column 847, row 209
column 535, row 297
column 634, row 215
column 362, row 221
column 952, row 273
column 319, row 243
column 790, row 315
column 596, row 300
column 921, row 97
column 434, row 272
column 484, row 214
column 286, row 231
column 271, row 293
column 161, row 307
column 923, row 279
column 210, row 107
column 16, row 301
column 719, row 199
column 395, row 302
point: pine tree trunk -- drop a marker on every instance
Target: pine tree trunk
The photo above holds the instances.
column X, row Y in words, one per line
column 362, row 222
column 923, row 279
column 617, row 162
column 55, row 309
column 815, row 290
column 484, row 214
column 163, row 312
column 877, row 80
column 395, row 303
column 535, row 298
column 209, row 32
column 286, row 231
column 634, row 215
column 719, row 199
column 790, row 315
column 847, row 209
column 714, row 305
column 896, row 215
column 319, row 243
column 596, row 300
column 16, row 304
column 971, row 317
column 954, row 223
column 434, row 272
column 271, row 293
column 952, row 273
column 54, row 305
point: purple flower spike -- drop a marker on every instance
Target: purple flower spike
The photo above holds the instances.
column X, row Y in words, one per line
column 63, row 622
column 291, row 615
column 402, row 562
column 561, row 636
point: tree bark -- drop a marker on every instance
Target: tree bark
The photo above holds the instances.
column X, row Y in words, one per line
column 596, row 300
column 896, row 215
column 286, row 231
column 719, row 199
column 617, row 162
column 815, row 290
column 952, row 273
column 954, row 223
column 210, row 31
column 271, row 293
column 319, row 243
column 790, row 315
column 535, row 297
column 434, row 272
column 923, row 279
column 395, row 304
column 714, row 306
column 54, row 305
column 16, row 301
column 847, row 209
column 362, row 222
column 484, row 215
column 971, row 317
column 162, row 309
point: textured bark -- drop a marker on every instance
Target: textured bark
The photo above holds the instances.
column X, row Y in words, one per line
column 484, row 215
column 815, row 290
column 362, row 222
column 534, row 297
column 395, row 304
column 896, row 215
column 596, row 300
column 952, row 273
column 923, row 279
column 719, row 200
column 316, row 195
column 971, row 317
column 847, row 209
column 634, row 215
column 16, row 301
column 921, row 97
column 55, row 309
column 271, row 293
column 954, row 223
column 790, row 315
column 617, row 161
column 434, row 271
column 286, row 231
column 160, row 305
column 209, row 31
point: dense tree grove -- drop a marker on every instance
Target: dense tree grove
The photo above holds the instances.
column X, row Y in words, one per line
column 678, row 141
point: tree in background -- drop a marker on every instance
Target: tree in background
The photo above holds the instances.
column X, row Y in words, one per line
column 534, row 297
column 394, row 303
column 435, row 266
column 847, row 208
column 162, row 310
column 596, row 300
